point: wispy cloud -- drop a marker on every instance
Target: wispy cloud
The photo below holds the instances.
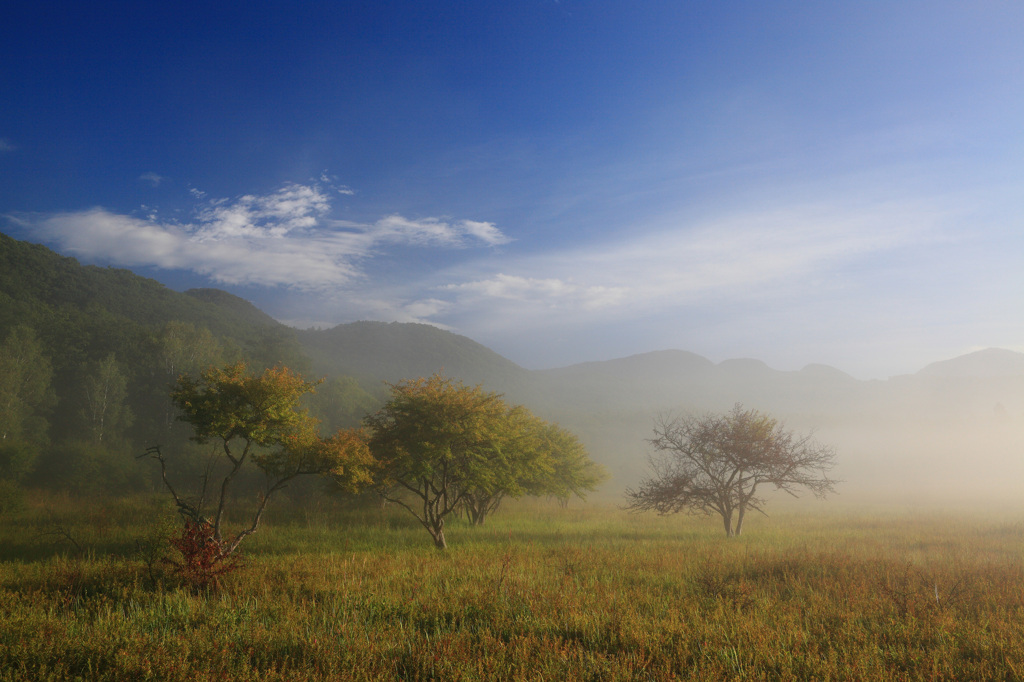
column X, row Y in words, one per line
column 331, row 181
column 428, row 231
column 153, row 179
column 280, row 239
column 549, row 292
column 743, row 256
column 6, row 145
column 791, row 284
column 422, row 311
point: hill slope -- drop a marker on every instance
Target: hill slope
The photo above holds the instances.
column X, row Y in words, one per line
column 64, row 299
column 379, row 351
column 37, row 284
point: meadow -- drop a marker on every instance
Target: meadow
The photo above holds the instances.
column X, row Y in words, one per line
column 591, row 592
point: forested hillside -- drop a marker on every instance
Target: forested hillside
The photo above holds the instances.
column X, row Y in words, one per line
column 87, row 355
column 375, row 352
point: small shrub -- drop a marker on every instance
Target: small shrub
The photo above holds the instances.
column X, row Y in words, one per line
column 203, row 559
column 151, row 548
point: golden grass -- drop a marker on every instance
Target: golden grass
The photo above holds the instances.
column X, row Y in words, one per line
column 540, row 593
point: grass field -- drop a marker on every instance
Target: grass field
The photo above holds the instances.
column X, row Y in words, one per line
column 815, row 592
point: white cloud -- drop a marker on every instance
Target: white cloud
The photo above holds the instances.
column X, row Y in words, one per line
column 423, row 310
column 485, row 232
column 429, row 231
column 292, row 208
column 808, row 282
column 550, row 292
column 746, row 253
column 6, row 145
column 279, row 239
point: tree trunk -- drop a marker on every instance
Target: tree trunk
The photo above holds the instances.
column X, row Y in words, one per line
column 739, row 521
column 435, row 525
column 474, row 511
column 727, row 522
column 439, row 541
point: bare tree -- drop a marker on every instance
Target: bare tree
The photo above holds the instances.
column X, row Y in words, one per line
column 719, row 464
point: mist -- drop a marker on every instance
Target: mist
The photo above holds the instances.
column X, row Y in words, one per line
column 954, row 431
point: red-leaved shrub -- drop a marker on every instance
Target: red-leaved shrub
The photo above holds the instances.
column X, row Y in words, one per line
column 203, row 560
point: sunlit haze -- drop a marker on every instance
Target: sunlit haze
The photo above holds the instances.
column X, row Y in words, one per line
column 567, row 181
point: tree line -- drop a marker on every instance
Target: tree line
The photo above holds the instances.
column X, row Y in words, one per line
column 78, row 399
column 436, row 448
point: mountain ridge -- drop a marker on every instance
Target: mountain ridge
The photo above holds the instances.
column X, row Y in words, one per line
column 61, row 280
column 988, row 362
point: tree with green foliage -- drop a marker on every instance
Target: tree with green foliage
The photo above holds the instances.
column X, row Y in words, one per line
column 442, row 445
column 513, row 462
column 716, row 464
column 569, row 471
column 25, row 395
column 184, row 348
column 105, row 406
column 432, row 439
column 25, row 392
column 257, row 419
column 534, row 457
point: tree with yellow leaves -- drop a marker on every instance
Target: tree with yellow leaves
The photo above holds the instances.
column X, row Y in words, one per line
column 257, row 419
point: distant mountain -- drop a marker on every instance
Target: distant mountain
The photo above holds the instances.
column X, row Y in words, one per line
column 83, row 316
column 88, row 311
column 649, row 366
column 991, row 362
column 680, row 380
column 826, row 373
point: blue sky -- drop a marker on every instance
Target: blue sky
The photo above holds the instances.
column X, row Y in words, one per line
column 798, row 182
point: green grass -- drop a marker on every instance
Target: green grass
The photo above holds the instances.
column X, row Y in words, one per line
column 815, row 592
